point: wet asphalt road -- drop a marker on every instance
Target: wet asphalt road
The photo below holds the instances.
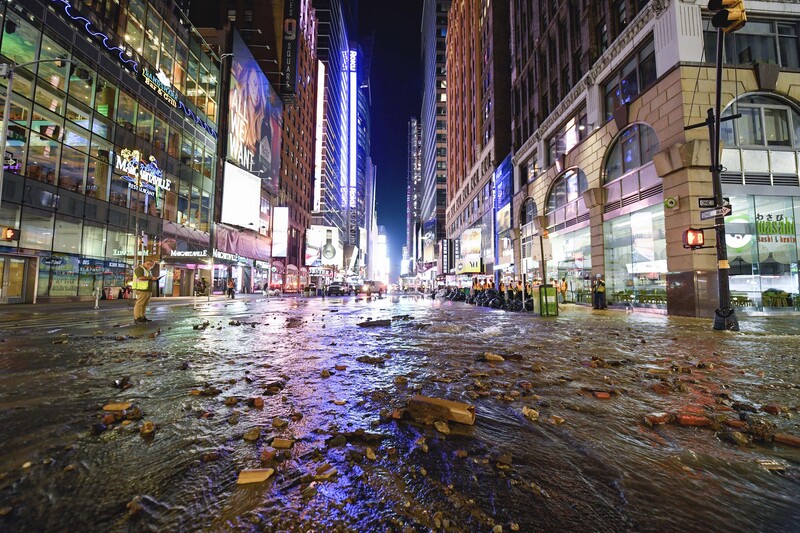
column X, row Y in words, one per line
column 338, row 391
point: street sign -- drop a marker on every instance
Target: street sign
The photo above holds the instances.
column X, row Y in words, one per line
column 714, row 213
column 710, row 201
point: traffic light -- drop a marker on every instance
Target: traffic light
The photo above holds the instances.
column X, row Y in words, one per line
column 728, row 14
column 10, row 234
column 693, row 238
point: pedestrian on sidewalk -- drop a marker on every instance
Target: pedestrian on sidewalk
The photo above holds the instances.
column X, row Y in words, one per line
column 231, row 288
column 142, row 286
column 562, row 288
column 598, row 293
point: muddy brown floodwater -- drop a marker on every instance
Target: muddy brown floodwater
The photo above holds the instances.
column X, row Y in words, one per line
column 593, row 421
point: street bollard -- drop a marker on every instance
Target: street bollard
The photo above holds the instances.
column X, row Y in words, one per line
column 96, row 293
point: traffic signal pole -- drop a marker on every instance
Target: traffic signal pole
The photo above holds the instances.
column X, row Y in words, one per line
column 725, row 315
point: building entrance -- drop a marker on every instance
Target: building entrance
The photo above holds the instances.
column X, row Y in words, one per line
column 12, row 279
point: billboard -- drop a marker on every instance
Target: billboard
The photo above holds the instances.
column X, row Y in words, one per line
column 241, row 198
column 254, row 118
column 289, row 51
column 330, row 251
column 280, row 231
column 315, row 239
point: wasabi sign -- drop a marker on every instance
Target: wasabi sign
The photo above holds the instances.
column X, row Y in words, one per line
column 775, row 228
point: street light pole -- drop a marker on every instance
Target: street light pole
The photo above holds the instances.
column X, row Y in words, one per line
column 7, row 72
column 725, row 316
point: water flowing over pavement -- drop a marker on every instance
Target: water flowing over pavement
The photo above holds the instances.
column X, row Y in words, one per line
column 568, row 435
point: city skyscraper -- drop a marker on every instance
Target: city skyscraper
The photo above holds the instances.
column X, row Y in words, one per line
column 434, row 130
column 413, row 192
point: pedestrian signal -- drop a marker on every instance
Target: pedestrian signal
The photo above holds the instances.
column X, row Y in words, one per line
column 693, row 238
column 10, row 234
column 729, row 15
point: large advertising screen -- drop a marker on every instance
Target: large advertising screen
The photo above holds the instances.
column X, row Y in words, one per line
column 255, row 118
column 315, row 239
column 241, row 198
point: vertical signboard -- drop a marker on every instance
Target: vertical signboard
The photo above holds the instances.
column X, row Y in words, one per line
column 255, row 118
column 280, row 231
column 289, row 48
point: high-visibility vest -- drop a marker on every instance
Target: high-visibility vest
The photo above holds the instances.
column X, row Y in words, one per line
column 141, row 285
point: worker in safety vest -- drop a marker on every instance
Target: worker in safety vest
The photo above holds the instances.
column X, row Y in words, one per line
column 142, row 280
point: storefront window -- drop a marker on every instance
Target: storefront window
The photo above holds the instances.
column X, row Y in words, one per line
column 68, row 235
column 105, row 101
column 761, row 236
column 144, row 123
column 43, row 159
column 81, row 83
column 94, row 240
column 58, row 275
column 119, row 191
column 52, row 72
column 38, row 234
column 205, row 211
column 152, row 43
column 572, row 259
column 97, row 179
column 49, row 98
column 634, row 147
column 635, row 257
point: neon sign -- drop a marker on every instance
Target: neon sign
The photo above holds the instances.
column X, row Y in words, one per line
column 141, row 175
column 134, row 65
column 161, row 86
column 102, row 36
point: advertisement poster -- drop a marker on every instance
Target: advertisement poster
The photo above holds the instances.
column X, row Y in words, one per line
column 315, row 239
column 255, row 119
column 58, row 275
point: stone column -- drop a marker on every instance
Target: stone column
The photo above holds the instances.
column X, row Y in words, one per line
column 692, row 288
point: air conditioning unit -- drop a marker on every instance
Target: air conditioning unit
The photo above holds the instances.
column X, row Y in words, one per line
column 671, row 203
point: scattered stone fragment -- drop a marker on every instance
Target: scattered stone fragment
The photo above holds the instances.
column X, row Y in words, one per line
column 461, row 454
column 602, row 395
column 555, row 420
column 268, row 453
column 442, row 427
column 338, row 440
column 370, row 360
column 252, row 434
column 374, row 323
column 282, row 444
column 254, row 475
column 210, row 456
column 425, row 409
column 134, row 506
column 370, row 453
column 656, row 419
column 147, row 429
column 772, row 409
column 530, row 413
column 326, row 373
column 231, row 401
column 5, row 511
column 400, row 380
column 785, row 438
column 339, row 402
column 341, row 368
column 504, row 458
column 116, row 406
column 692, row 420
column 278, row 422
column 324, row 472
column 108, row 419
column 257, row 402
column 493, row 357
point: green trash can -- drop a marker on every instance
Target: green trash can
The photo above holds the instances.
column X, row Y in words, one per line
column 545, row 300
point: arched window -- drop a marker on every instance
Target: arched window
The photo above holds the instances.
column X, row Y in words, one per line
column 633, row 148
column 528, row 212
column 567, row 188
column 765, row 121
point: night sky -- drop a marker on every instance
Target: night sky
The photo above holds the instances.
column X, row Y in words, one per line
column 396, row 85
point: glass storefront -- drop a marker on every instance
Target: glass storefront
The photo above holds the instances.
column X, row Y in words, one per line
column 635, row 257
column 761, row 236
column 95, row 159
column 572, row 259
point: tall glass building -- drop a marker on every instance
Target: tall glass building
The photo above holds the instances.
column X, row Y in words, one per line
column 110, row 158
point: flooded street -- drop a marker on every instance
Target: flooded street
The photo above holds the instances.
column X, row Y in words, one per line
column 569, row 434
